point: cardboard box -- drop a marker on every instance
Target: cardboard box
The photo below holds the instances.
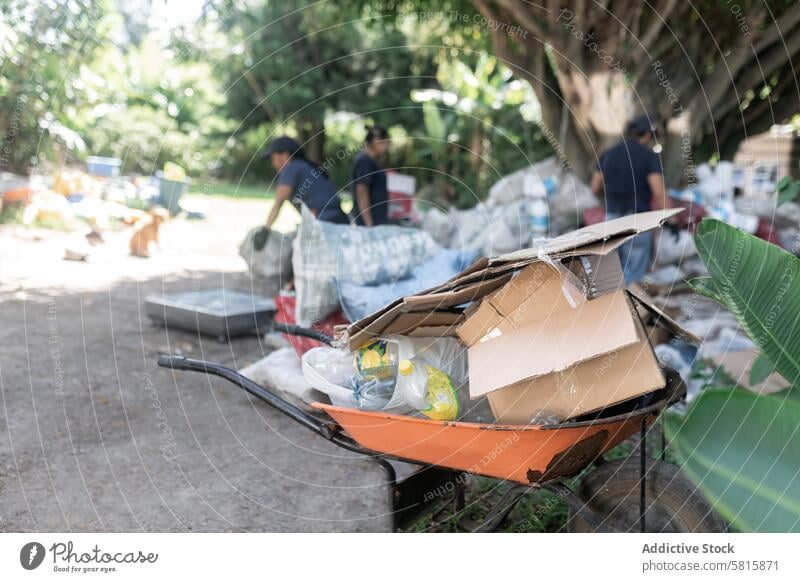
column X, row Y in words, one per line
column 546, row 329
column 572, row 361
column 598, row 274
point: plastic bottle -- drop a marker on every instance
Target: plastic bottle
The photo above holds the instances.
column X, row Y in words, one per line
column 536, row 192
column 372, row 393
column 539, row 217
column 535, row 187
column 374, row 382
column 428, row 389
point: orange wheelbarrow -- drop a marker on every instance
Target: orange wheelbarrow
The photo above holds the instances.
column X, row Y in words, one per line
column 631, row 494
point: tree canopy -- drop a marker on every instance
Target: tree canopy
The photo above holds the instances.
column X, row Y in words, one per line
column 469, row 89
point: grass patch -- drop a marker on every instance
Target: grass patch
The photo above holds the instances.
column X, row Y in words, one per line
column 232, row 189
column 538, row 511
column 13, row 214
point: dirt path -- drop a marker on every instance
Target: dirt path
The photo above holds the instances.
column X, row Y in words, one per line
column 93, row 436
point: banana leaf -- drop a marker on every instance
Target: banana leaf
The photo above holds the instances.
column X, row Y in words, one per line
column 760, row 284
column 742, row 450
column 760, row 369
column 788, row 190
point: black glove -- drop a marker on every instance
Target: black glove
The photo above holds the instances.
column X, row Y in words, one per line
column 260, row 238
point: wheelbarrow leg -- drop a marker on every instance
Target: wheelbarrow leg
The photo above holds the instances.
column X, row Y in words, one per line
column 642, row 474
column 391, row 481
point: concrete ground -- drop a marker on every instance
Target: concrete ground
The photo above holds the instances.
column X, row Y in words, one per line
column 95, row 437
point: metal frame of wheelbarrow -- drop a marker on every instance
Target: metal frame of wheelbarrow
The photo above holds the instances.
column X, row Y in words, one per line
column 411, row 496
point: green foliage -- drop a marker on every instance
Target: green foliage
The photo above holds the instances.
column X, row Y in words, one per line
column 740, row 448
column 477, row 128
column 296, row 64
column 760, row 284
column 760, row 369
column 457, row 118
column 742, row 451
column 43, row 46
column 538, row 511
column 788, row 190
column 219, row 90
column 144, row 138
column 151, row 110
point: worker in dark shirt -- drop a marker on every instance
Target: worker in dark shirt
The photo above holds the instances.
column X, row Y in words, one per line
column 629, row 179
column 301, row 182
column 368, row 180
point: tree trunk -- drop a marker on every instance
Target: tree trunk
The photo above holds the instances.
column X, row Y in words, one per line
column 312, row 138
column 707, row 76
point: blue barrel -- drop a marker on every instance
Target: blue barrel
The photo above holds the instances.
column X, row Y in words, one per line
column 103, row 167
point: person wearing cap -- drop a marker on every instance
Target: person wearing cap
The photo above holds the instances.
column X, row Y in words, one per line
column 629, row 179
column 301, row 182
column 368, row 180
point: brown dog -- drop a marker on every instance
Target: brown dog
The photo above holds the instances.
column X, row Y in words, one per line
column 141, row 239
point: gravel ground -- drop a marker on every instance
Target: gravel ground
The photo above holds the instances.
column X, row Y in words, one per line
column 95, row 437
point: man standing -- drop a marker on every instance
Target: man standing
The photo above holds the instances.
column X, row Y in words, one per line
column 368, row 180
column 629, row 179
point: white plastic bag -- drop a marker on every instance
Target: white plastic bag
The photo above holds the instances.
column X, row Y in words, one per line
column 329, row 370
column 325, row 253
column 443, row 353
column 274, row 260
column 280, row 372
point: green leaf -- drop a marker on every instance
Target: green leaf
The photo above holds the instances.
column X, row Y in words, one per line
column 783, row 184
column 760, row 284
column 705, row 286
column 787, row 190
column 790, row 392
column 742, row 450
column 760, row 369
column 788, row 193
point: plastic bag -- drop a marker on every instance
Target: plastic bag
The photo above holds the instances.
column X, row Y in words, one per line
column 441, row 353
column 280, row 371
column 358, row 301
column 445, row 362
column 324, row 252
column 272, row 263
column 441, row 396
column 334, row 371
column 329, row 370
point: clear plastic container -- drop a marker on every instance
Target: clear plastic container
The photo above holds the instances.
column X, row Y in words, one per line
column 375, row 380
column 434, row 394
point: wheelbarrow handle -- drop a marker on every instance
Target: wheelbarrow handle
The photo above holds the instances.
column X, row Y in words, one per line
column 291, row 329
column 311, row 422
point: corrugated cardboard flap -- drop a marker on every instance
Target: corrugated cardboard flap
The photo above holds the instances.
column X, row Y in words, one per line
column 576, row 242
column 554, row 344
column 376, row 324
column 486, row 275
column 663, row 320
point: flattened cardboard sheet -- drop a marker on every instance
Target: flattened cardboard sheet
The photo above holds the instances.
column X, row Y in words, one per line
column 554, row 344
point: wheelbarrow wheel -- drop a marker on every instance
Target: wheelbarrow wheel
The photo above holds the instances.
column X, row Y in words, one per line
column 672, row 503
